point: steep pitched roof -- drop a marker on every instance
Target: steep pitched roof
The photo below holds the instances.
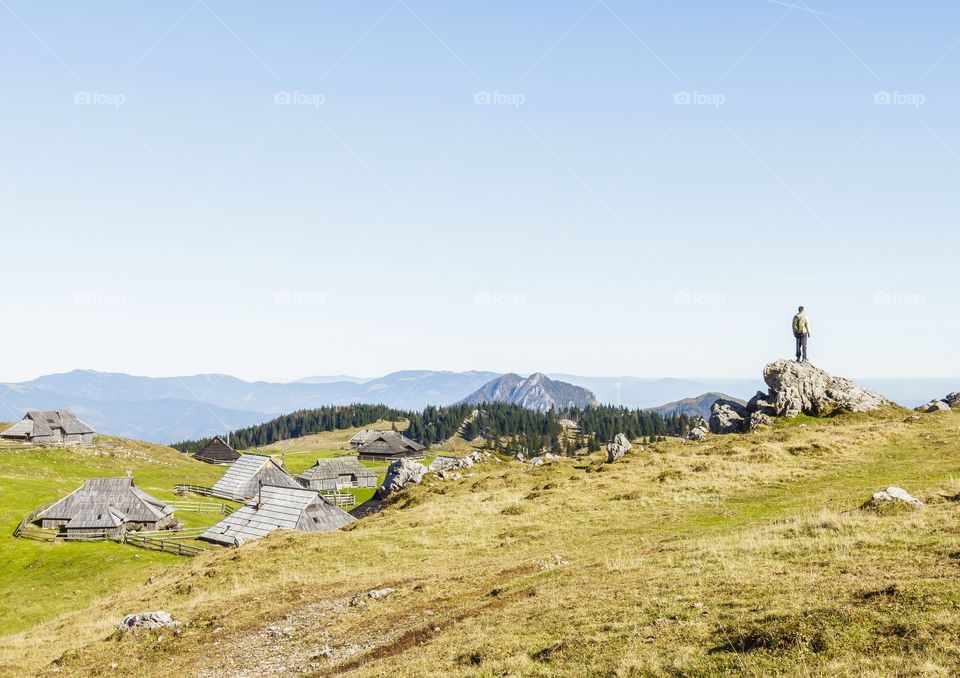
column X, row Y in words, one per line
column 240, row 479
column 217, row 450
column 278, row 508
column 334, row 468
column 97, row 495
column 391, row 443
column 46, row 421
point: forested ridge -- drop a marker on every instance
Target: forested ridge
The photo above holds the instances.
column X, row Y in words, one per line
column 505, row 427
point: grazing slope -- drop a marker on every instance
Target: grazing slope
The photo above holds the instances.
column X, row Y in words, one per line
column 744, row 554
column 38, row 580
column 536, row 392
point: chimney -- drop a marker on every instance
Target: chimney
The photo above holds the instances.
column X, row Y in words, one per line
column 259, row 495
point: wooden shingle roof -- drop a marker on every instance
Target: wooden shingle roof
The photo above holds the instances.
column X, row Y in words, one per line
column 99, row 494
column 331, row 469
column 391, row 443
column 217, row 451
column 40, row 423
column 278, row 508
column 242, row 478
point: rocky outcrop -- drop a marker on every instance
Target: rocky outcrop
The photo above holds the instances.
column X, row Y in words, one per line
column 617, row 447
column 800, row 388
column 697, row 433
column 758, row 419
column 148, row 620
column 401, row 473
column 953, row 399
column 934, row 406
column 795, row 388
column 727, row 416
column 894, row 494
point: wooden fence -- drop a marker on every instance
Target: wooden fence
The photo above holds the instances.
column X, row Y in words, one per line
column 339, row 498
column 195, row 489
column 165, row 545
column 202, row 507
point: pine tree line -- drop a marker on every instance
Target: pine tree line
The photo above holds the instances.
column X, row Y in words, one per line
column 506, row 428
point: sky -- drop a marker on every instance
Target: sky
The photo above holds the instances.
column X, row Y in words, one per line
column 599, row 187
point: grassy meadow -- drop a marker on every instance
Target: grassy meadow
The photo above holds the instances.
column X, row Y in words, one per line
column 742, row 555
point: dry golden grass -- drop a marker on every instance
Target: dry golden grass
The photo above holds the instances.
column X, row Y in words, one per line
column 741, row 555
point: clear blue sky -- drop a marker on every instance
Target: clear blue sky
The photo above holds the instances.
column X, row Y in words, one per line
column 647, row 188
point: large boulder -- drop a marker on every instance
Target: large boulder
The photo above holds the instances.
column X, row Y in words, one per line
column 953, row 400
column 761, row 403
column 148, row 620
column 617, row 447
column 727, row 416
column 401, row 473
column 800, row 388
column 698, row 433
column 934, row 406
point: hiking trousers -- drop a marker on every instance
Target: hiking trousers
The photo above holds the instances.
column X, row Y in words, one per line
column 801, row 346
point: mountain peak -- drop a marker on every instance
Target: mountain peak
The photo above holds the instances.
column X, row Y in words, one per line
column 536, row 392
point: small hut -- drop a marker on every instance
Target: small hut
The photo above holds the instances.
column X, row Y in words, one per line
column 245, row 476
column 277, row 508
column 217, row 451
column 337, row 473
column 109, row 506
column 53, row 427
column 390, row 446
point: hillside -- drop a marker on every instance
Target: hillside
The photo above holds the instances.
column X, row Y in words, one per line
column 536, row 392
column 40, row 580
column 744, row 554
column 695, row 407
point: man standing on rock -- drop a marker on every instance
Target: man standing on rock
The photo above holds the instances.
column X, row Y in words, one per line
column 801, row 331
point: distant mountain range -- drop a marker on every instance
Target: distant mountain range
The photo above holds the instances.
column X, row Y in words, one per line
column 536, row 392
column 168, row 409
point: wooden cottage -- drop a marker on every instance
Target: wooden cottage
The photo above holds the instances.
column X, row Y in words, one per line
column 277, row 508
column 55, row 427
column 217, row 451
column 363, row 437
column 390, row 446
column 335, row 474
column 245, row 476
column 107, row 506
